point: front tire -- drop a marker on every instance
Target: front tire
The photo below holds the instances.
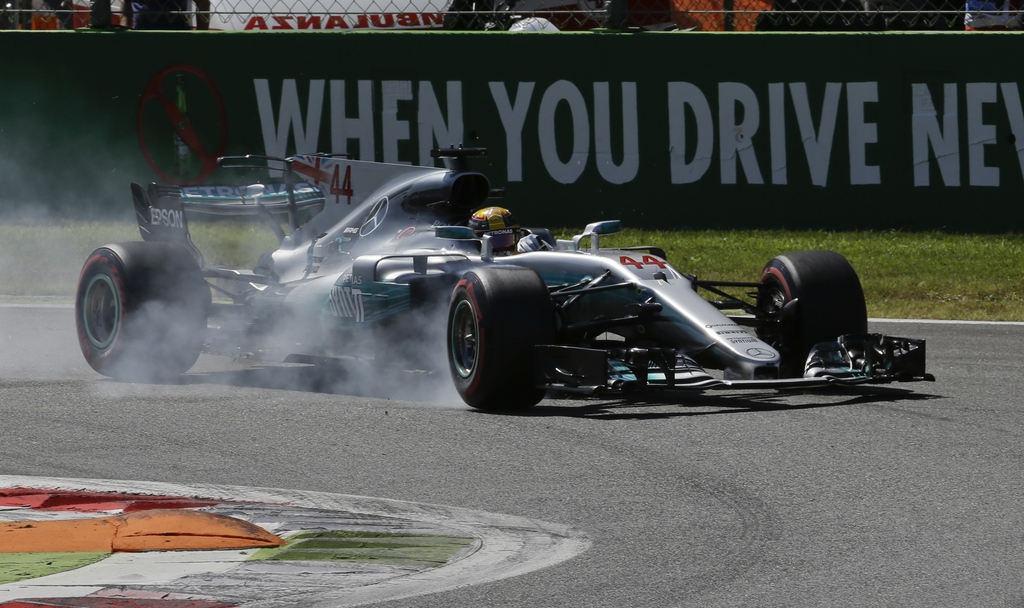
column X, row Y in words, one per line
column 496, row 317
column 141, row 311
column 809, row 297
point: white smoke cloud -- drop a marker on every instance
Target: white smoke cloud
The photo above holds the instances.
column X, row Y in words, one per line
column 40, row 266
column 405, row 363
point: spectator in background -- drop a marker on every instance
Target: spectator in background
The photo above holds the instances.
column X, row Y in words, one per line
column 983, row 15
column 712, row 15
column 51, row 15
column 165, row 14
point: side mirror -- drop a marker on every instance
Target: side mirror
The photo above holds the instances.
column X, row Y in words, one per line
column 606, row 227
column 594, row 230
column 465, row 233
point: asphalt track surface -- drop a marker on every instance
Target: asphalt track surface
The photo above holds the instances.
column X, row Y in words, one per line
column 893, row 496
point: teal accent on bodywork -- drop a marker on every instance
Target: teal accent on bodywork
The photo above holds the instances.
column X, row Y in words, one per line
column 353, row 305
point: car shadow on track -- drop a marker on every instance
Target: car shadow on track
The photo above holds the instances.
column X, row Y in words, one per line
column 664, row 405
column 354, row 379
column 359, row 378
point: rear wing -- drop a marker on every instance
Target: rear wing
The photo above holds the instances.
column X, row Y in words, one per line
column 160, row 210
column 304, row 182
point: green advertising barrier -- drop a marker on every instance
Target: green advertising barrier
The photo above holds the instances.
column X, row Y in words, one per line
column 663, row 130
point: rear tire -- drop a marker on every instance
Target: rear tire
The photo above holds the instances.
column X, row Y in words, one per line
column 496, row 317
column 141, row 311
column 827, row 302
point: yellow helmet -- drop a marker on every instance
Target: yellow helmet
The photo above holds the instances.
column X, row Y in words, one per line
column 500, row 225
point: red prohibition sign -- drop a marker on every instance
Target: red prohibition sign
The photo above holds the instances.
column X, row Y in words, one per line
column 181, row 124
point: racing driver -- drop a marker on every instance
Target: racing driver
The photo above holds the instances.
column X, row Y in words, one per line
column 506, row 236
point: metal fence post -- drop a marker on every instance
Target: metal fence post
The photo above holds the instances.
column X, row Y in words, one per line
column 99, row 14
column 615, row 14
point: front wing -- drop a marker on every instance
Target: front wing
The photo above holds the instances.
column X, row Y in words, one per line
column 852, row 359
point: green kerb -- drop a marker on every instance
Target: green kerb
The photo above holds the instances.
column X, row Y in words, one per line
column 21, row 566
column 390, row 549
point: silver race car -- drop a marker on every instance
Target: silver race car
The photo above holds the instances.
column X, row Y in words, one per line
column 372, row 257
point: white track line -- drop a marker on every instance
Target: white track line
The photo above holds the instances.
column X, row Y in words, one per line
column 507, row 545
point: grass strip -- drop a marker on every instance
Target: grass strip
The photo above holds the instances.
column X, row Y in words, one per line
column 927, row 275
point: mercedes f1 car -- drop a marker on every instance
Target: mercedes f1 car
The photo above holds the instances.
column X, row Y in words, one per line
column 372, row 255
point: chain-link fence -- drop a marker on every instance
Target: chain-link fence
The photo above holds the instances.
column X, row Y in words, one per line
column 544, row 15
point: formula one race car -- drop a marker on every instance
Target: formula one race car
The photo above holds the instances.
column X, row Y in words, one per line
column 385, row 255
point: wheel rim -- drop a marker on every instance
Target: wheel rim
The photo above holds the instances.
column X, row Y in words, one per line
column 775, row 302
column 464, row 339
column 101, row 312
column 772, row 301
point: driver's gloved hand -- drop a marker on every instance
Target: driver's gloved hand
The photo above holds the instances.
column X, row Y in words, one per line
column 531, row 242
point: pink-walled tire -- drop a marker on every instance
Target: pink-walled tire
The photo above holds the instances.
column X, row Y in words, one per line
column 141, row 311
column 811, row 297
column 497, row 315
